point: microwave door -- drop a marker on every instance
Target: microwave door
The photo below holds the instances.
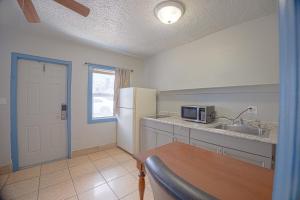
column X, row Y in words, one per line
column 189, row 113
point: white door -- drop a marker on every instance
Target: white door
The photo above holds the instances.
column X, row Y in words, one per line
column 125, row 130
column 42, row 133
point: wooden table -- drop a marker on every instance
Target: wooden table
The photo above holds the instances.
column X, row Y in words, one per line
column 218, row 175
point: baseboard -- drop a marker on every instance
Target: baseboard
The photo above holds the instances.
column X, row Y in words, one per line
column 6, row 169
column 107, row 146
column 82, row 152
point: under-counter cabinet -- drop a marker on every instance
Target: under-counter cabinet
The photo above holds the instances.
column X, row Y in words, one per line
column 255, row 152
column 181, row 134
column 206, row 145
column 240, row 155
column 148, row 138
column 163, row 138
column 180, row 138
column 162, row 134
column 248, row 157
column 155, row 134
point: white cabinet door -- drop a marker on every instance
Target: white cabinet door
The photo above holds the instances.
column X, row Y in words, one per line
column 247, row 157
column 180, row 130
column 241, row 144
column 180, row 138
column 163, row 138
column 159, row 125
column 205, row 145
column 148, row 138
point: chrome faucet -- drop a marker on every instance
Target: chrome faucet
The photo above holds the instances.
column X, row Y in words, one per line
column 239, row 121
column 235, row 118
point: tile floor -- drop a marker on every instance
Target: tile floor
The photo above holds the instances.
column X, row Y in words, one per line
column 109, row 174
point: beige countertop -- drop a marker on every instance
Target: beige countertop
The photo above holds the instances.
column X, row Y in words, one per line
column 272, row 137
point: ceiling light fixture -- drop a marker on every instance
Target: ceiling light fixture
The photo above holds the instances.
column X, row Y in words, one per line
column 169, row 12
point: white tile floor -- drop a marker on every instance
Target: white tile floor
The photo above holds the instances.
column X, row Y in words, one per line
column 105, row 175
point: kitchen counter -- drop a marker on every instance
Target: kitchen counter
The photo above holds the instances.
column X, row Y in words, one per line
column 271, row 139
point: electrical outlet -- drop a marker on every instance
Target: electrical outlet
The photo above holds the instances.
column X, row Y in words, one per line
column 252, row 110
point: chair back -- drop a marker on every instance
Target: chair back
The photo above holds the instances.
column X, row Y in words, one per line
column 166, row 185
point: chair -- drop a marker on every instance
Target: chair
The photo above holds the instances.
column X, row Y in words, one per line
column 166, row 185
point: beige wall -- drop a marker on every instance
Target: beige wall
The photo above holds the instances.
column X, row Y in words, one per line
column 245, row 54
column 228, row 101
column 83, row 135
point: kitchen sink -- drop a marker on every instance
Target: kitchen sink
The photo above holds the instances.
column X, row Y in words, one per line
column 246, row 129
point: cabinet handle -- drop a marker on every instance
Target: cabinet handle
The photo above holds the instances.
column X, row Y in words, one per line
column 221, row 150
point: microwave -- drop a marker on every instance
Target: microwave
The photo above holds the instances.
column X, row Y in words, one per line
column 201, row 114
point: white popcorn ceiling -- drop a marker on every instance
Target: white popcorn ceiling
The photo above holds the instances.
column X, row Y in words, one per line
column 130, row 27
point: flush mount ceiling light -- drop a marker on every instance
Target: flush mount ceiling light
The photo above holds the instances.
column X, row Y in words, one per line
column 169, row 12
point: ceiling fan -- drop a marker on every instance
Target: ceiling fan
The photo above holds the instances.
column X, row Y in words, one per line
column 32, row 17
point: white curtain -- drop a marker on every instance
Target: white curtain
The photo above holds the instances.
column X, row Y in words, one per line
column 122, row 80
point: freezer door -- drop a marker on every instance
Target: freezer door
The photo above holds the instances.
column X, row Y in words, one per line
column 125, row 129
column 127, row 98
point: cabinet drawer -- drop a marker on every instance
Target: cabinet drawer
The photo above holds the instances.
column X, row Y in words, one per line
column 180, row 130
column 180, row 138
column 249, row 158
column 158, row 125
column 246, row 145
column 205, row 145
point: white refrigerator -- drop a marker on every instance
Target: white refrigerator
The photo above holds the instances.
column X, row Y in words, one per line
column 135, row 103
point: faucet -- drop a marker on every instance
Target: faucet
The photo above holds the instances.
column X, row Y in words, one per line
column 238, row 122
column 237, row 117
column 241, row 121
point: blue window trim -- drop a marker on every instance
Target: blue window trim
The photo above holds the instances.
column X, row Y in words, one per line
column 13, row 101
column 90, row 119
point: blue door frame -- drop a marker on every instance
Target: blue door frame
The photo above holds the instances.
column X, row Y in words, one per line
column 287, row 169
column 13, row 101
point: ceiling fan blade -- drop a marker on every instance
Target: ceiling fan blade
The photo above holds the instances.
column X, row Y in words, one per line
column 75, row 6
column 29, row 11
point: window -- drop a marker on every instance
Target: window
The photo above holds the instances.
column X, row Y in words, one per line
column 100, row 93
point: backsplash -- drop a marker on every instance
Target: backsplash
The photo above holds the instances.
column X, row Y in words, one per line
column 228, row 101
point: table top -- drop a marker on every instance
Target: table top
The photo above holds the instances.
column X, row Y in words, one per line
column 219, row 175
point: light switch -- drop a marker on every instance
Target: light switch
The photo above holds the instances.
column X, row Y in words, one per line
column 3, row 101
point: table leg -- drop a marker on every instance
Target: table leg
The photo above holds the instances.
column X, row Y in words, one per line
column 141, row 182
